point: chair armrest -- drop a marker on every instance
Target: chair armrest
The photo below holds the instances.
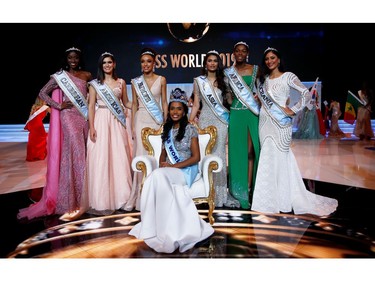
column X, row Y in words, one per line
column 210, row 164
column 144, row 164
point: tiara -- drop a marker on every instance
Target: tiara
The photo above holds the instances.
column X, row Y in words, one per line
column 148, row 53
column 73, row 49
column 241, row 43
column 213, row 52
column 178, row 95
column 106, row 54
column 270, row 49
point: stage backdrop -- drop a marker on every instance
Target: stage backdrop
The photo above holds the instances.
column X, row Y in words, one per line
column 309, row 50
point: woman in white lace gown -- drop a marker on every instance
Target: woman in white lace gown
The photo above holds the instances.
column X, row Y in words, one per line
column 279, row 186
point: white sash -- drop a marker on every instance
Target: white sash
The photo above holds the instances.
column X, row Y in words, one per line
column 72, row 92
column 241, row 90
column 273, row 108
column 212, row 99
column 148, row 99
column 36, row 113
column 190, row 172
column 110, row 100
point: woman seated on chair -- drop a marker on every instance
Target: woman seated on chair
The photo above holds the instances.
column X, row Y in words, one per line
column 169, row 217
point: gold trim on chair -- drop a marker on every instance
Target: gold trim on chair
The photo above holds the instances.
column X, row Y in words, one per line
column 145, row 133
column 213, row 165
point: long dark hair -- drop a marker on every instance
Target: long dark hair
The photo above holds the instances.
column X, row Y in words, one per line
column 169, row 124
column 100, row 75
column 219, row 75
column 264, row 70
column 219, row 71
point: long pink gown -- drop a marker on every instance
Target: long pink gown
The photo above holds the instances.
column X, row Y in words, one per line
column 108, row 174
column 66, row 155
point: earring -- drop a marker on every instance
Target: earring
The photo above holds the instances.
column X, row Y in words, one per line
column 247, row 58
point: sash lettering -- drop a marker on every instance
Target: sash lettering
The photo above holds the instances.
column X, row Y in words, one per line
column 72, row 92
column 242, row 91
column 273, row 108
column 110, row 100
column 212, row 99
column 190, row 172
column 148, row 99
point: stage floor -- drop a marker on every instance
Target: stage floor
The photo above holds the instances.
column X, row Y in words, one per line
column 347, row 161
column 340, row 168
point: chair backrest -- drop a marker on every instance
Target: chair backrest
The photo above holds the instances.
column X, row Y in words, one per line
column 151, row 139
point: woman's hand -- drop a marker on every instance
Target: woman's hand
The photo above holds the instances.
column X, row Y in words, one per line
column 93, row 135
column 288, row 111
column 165, row 164
column 66, row 105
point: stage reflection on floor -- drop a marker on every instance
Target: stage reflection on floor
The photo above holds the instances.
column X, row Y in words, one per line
column 238, row 234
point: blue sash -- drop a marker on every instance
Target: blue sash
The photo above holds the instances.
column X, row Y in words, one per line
column 241, row 90
column 209, row 94
column 148, row 99
column 273, row 108
column 110, row 100
column 190, row 172
column 72, row 92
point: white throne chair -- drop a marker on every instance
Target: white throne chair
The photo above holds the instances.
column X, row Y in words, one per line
column 202, row 190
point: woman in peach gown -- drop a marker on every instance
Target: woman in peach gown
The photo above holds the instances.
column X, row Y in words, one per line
column 108, row 171
column 146, row 112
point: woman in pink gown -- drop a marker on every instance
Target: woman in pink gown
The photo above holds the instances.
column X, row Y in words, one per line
column 67, row 139
column 108, row 174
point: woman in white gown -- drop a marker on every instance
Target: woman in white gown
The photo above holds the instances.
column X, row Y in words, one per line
column 169, row 217
column 279, row 186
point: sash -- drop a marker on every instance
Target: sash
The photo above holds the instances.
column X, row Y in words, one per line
column 242, row 91
column 273, row 108
column 148, row 99
column 72, row 92
column 212, row 99
column 190, row 172
column 110, row 100
column 36, row 113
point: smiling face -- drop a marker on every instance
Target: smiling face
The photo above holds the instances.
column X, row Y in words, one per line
column 73, row 59
column 271, row 60
column 147, row 63
column 240, row 53
column 176, row 111
column 108, row 65
column 212, row 63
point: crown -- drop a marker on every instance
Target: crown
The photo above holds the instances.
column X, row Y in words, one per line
column 148, row 53
column 72, row 49
column 213, row 52
column 270, row 49
column 241, row 43
column 178, row 95
column 106, row 54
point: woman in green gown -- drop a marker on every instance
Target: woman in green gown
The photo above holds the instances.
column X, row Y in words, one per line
column 243, row 136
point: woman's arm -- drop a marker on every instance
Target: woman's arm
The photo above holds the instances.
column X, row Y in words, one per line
column 195, row 107
column 45, row 92
column 92, row 102
column 134, row 109
column 164, row 102
column 124, row 97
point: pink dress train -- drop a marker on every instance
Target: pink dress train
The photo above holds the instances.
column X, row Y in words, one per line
column 47, row 204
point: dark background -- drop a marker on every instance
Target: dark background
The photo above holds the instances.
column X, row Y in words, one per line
column 340, row 54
